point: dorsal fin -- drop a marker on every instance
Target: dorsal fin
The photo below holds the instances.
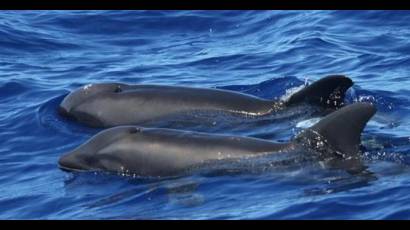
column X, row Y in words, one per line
column 340, row 130
column 328, row 92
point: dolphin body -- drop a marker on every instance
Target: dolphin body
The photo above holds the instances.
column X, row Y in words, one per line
column 159, row 152
column 113, row 104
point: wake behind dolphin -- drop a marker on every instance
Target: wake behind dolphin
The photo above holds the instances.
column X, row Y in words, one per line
column 167, row 152
column 114, row 104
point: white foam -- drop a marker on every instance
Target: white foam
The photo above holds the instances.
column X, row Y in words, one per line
column 289, row 92
column 87, row 86
column 307, row 123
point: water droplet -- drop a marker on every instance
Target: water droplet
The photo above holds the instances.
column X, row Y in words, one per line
column 86, row 87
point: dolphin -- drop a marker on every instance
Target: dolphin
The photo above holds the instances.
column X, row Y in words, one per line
column 161, row 152
column 113, row 104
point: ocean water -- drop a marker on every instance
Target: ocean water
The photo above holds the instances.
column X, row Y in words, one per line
column 46, row 54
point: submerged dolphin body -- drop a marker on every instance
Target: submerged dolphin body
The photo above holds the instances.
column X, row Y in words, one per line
column 167, row 152
column 114, row 104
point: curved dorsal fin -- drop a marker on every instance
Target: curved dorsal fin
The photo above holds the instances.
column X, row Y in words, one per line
column 328, row 92
column 342, row 129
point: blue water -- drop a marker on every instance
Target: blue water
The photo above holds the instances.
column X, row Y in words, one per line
column 46, row 54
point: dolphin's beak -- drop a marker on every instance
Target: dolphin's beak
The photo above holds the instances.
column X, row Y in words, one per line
column 65, row 108
column 63, row 111
column 69, row 162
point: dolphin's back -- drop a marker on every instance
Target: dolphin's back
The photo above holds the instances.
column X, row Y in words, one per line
column 187, row 98
column 145, row 103
column 165, row 152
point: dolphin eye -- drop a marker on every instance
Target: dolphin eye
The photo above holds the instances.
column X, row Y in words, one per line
column 118, row 89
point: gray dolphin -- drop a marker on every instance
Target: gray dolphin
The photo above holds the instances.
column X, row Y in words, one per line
column 168, row 152
column 113, row 104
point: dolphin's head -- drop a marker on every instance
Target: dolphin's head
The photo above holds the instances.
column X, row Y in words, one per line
column 100, row 152
column 81, row 95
